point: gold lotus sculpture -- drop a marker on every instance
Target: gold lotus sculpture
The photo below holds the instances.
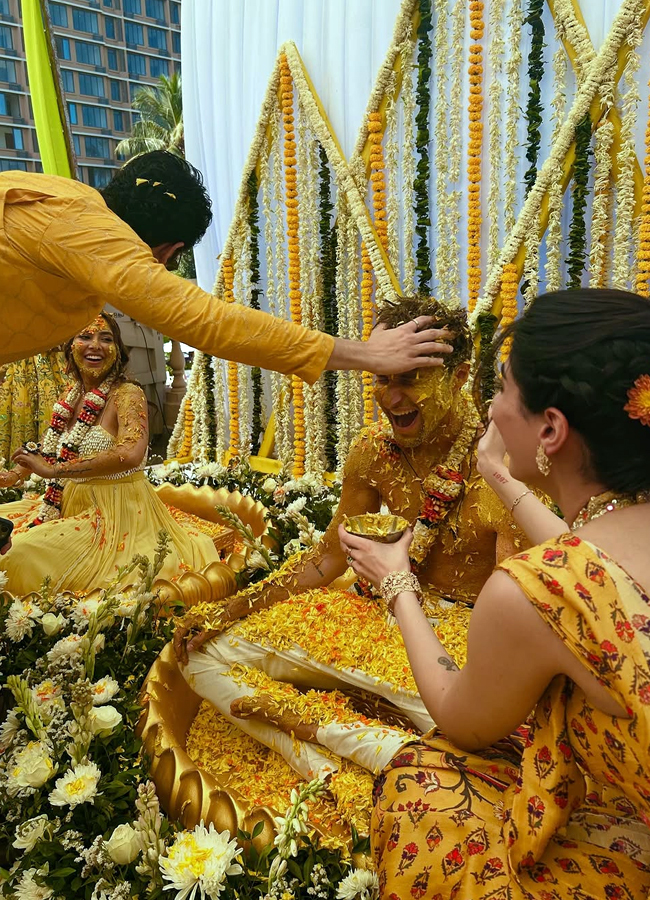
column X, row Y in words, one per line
column 381, row 527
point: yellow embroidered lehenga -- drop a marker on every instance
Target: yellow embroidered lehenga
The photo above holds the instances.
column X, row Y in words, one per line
column 104, row 523
column 565, row 811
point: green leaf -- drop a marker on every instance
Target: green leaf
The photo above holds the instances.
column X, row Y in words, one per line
column 259, row 828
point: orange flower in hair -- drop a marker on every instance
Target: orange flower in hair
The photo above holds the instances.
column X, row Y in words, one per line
column 638, row 405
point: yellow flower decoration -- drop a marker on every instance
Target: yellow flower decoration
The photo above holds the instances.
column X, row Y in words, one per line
column 638, row 405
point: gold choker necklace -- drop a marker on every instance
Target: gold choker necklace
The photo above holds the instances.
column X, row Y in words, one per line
column 608, row 502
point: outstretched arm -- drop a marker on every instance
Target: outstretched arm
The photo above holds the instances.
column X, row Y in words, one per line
column 531, row 515
column 512, row 654
column 94, row 248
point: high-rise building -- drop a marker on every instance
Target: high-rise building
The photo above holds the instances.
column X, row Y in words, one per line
column 107, row 50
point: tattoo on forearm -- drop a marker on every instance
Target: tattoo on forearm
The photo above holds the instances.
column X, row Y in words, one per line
column 499, row 477
column 447, row 664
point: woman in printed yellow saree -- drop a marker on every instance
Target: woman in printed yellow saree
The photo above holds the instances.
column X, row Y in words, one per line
column 559, row 639
column 99, row 510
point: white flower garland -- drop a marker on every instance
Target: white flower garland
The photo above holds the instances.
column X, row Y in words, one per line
column 407, row 53
column 496, row 50
column 513, row 111
column 626, row 158
column 441, row 152
column 531, row 264
column 391, row 156
column 626, row 21
column 552, row 269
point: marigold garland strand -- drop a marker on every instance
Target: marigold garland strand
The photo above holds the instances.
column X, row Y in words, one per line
column 291, row 200
column 228, row 271
column 474, row 148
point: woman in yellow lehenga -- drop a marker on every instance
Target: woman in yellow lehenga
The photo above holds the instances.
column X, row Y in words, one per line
column 559, row 638
column 99, row 510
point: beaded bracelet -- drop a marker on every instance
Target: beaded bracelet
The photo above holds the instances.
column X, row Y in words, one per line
column 396, row 582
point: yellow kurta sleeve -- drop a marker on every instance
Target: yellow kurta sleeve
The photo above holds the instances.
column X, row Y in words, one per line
column 93, row 248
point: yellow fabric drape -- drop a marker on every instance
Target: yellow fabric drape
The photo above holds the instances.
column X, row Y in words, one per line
column 50, row 128
column 27, row 396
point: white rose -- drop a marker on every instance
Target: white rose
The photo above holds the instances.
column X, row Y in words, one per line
column 269, row 485
column 30, row 832
column 104, row 719
column 52, row 624
column 123, row 845
column 33, row 766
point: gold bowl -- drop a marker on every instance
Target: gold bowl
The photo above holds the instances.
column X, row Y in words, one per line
column 377, row 526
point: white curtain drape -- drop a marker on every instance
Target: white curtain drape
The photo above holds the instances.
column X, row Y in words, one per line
column 229, row 49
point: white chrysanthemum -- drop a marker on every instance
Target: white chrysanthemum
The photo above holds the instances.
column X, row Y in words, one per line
column 8, row 729
column 48, row 695
column 4, row 578
column 66, row 648
column 199, row 860
column 296, row 506
column 255, row 560
column 31, row 768
column 360, row 884
column 104, row 690
column 23, row 614
column 28, row 889
column 29, row 833
column 85, row 608
column 79, row 785
column 210, row 470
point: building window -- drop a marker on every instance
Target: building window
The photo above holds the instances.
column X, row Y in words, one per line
column 118, row 120
column 132, row 7
column 6, row 38
column 4, row 106
column 11, row 138
column 108, row 3
column 91, row 85
column 175, row 10
column 155, row 9
column 67, row 79
column 58, row 14
column 133, row 33
column 7, row 70
column 157, row 38
column 9, row 165
column 137, row 64
column 85, row 21
column 158, row 67
column 176, row 41
column 9, row 105
column 94, row 116
column 112, row 59
column 116, row 90
column 76, row 143
column 62, row 47
column 98, row 147
column 72, row 113
column 90, row 54
column 4, row 8
column 98, row 177
column 109, row 22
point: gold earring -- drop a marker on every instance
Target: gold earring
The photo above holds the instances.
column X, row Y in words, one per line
column 542, row 460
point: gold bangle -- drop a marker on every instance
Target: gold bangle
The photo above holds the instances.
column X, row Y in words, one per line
column 396, row 582
column 519, row 499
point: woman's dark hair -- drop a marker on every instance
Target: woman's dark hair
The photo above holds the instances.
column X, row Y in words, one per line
column 162, row 197
column 408, row 308
column 581, row 351
column 122, row 358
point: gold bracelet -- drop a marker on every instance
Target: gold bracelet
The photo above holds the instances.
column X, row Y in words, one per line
column 519, row 499
column 396, row 582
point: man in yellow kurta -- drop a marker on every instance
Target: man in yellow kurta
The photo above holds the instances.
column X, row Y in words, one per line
column 66, row 250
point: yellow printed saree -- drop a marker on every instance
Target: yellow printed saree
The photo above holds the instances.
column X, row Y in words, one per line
column 563, row 815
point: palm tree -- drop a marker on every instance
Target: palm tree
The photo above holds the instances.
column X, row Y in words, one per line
column 160, row 126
